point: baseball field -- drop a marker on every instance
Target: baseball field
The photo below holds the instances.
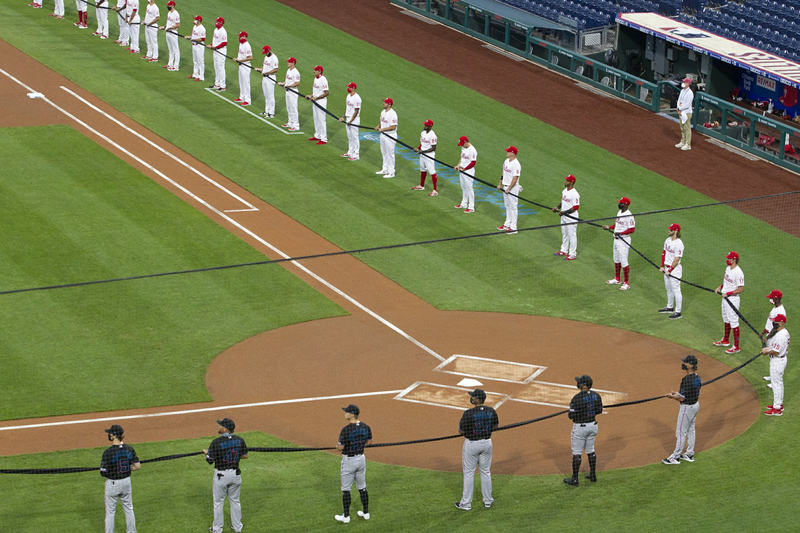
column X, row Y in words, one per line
column 125, row 170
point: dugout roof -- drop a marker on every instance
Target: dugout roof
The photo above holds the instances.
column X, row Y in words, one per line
column 523, row 18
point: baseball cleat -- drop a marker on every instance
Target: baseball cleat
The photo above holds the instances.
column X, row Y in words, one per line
column 191, row 77
column 165, row 66
column 666, row 310
column 270, row 115
column 104, row 36
column 244, row 104
column 459, row 206
column 487, row 505
column 152, row 60
column 52, row 15
column 571, row 481
column 572, row 258
column 343, row 155
column 560, row 254
column 675, row 316
column 592, row 477
column 95, row 34
column 769, row 385
column 363, row 515
column 132, row 51
column 434, row 193
column 689, row 457
column 462, row 507
column 313, row 139
column 146, row 57
column 322, row 142
column 670, row 461
column 342, row 518
column 723, row 342
column 501, row 228
column 469, row 210
column 614, row 281
column 767, row 378
column 388, row 175
column 352, row 159
column 417, row 188
column 380, row 172
column 733, row 350
column 679, row 145
column 116, row 41
column 292, row 129
column 74, row 23
column 284, row 125
column 686, row 147
column 774, row 412
column 199, row 79
column 221, row 89
column 237, row 100
column 510, row 231
column 624, row 287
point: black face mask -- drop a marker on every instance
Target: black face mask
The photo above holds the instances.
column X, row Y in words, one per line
column 776, row 325
column 622, row 207
column 684, row 367
column 110, row 437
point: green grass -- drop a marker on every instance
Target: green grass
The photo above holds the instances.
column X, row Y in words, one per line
column 129, row 344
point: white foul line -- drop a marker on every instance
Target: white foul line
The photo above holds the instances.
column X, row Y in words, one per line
column 262, row 119
column 250, row 207
column 241, row 227
column 199, row 410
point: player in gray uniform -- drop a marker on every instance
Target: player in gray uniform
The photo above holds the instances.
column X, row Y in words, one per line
column 583, row 408
column 352, row 440
column 224, row 453
column 476, row 425
column 116, row 466
column 688, row 397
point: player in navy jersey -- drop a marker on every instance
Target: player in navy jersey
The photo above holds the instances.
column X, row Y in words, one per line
column 353, row 438
column 476, row 425
column 116, row 465
column 689, row 398
column 583, row 408
column 225, row 453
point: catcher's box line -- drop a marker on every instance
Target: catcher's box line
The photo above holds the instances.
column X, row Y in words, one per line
column 262, row 119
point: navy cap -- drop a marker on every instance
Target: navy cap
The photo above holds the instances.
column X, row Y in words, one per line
column 116, row 429
column 584, row 380
column 227, row 423
column 690, row 360
column 478, row 394
column 352, row 409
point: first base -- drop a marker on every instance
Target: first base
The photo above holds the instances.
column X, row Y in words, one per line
column 35, row 95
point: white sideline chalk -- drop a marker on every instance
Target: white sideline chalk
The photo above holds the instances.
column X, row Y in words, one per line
column 35, row 95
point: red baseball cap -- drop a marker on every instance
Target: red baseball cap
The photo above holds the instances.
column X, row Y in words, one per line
column 243, row 34
column 267, row 48
column 428, row 122
column 220, row 20
column 170, row 3
column 570, row 178
column 351, row 85
column 675, row 227
column 780, row 318
column 319, row 68
column 512, row 149
column 732, row 255
column 624, row 200
column 687, row 80
column 291, row 60
column 775, row 294
column 388, row 101
column 463, row 139
column 198, row 17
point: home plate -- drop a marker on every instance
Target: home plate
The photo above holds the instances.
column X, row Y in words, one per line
column 469, row 382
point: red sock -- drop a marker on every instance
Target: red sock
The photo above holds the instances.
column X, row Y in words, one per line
column 83, row 16
column 433, row 178
column 736, row 337
column 617, row 268
column 626, row 270
column 422, row 176
column 727, row 333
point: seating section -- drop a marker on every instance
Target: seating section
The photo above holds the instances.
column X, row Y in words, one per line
column 591, row 13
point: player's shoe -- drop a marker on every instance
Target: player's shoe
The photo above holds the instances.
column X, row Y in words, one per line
column 462, row 507
column 199, row 79
column 614, row 281
column 510, row 231
column 417, row 188
column 501, row 228
column 74, row 23
column 624, row 287
column 221, row 89
column 284, row 125
column 237, row 100
column 388, row 175
column 769, row 385
column 95, row 34
column 103, row 36
column 666, row 310
column 571, row 258
column 166, row 66
column 733, row 350
column 52, row 15
column 434, row 193
column 571, row 481
column 723, row 342
column 774, row 412
column 152, row 60
column 352, row 158
column 679, row 145
column 37, row 6
column 313, row 139
column 469, row 210
column 670, row 461
column 190, row 77
column 244, row 104
column 381, row 172
column 459, row 206
column 363, row 515
column 767, row 378
column 560, row 254
column 689, row 457
column 294, row 129
column 686, row 147
column 116, row 41
column 592, row 477
column 322, row 142
column 342, row 518
column 146, row 57
column 343, row 155
column 487, row 505
column 132, row 51
column 675, row 316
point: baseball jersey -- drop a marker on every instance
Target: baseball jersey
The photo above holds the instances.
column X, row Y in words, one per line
column 121, row 3
column 672, row 249
column 270, row 64
column 117, row 460
column 220, row 36
column 690, row 389
column 468, row 155
column 569, row 199
column 584, row 406
column 199, row 33
column 734, row 278
column 478, row 423
column 427, row 140
column 244, row 51
column 151, row 13
column 779, row 342
column 130, row 7
column 319, row 87
column 352, row 103
column 624, row 223
column 292, row 76
column 226, row 451
column 511, row 169
column 173, row 18
column 354, row 437
column 772, row 314
column 389, row 118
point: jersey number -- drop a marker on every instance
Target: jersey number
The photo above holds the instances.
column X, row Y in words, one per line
column 123, row 465
column 230, row 456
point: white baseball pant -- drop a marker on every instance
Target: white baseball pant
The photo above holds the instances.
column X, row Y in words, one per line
column 102, row 21
column 59, row 8
column 729, row 316
column 476, row 453
column 219, row 67
column 133, row 31
column 151, row 39
column 569, row 235
column 353, row 141
column 673, row 286
column 621, row 250
column 684, row 430
column 227, row 483
column 583, row 437
column 777, row 365
column 268, row 87
column 82, row 5
column 174, row 50
column 388, row 143
column 291, row 110
column 510, row 200
column 244, row 82
column 320, row 119
column 124, row 29
column 198, row 56
column 119, row 490
column 467, row 191
column 426, row 163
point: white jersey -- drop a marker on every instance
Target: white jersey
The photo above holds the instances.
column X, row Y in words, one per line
column 388, row 119
column 130, row 7
column 173, row 19
column 569, row 199
column 151, row 13
column 779, row 342
column 624, row 222
column 121, row 3
column 428, row 140
column 772, row 314
column 320, row 87
column 244, row 52
column 468, row 155
column 511, row 169
column 220, row 36
column 672, row 250
column 292, row 76
column 352, row 104
column 199, row 33
column 270, row 64
column 734, row 278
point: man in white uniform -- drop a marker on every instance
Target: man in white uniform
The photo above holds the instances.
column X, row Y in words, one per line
column 171, row 28
column 776, row 348
column 622, row 227
column 58, row 10
column 83, row 14
column 388, row 127
column 427, row 151
column 198, row 39
column 219, row 42
column 732, row 286
column 124, row 30
column 132, row 20
column 352, row 118
column 269, row 74
column 777, row 309
column 319, row 94
column 243, row 59
column 673, row 270
column 151, row 17
column 568, row 210
column 685, row 106
column 290, row 83
column 102, row 19
column 509, row 184
column 466, row 174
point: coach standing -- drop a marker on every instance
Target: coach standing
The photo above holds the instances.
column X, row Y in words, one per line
column 352, row 440
column 583, row 408
column 116, row 466
column 477, row 425
column 685, row 106
column 689, row 398
column 509, row 184
column 224, row 453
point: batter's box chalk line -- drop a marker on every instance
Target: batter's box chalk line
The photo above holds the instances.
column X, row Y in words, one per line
column 492, row 369
column 416, row 393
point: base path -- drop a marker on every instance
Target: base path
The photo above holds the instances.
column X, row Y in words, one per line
column 411, row 355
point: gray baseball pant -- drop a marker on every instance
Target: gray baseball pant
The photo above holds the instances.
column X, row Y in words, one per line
column 476, row 453
column 354, row 468
column 227, row 483
column 685, row 429
column 119, row 489
column 583, row 437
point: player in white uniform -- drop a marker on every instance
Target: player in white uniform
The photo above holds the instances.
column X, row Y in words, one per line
column 171, row 29
column 198, row 39
column 673, row 271
column 466, row 174
column 509, row 184
column 151, row 17
column 243, row 59
column 388, row 126
column 101, row 12
column 290, row 83
column 83, row 14
column 568, row 209
column 132, row 20
column 219, row 42
column 622, row 227
column 427, row 152
column 319, row 94
column 352, row 117
column 58, row 9
column 269, row 74
column 776, row 348
column 732, row 286
column 124, row 35
column 774, row 297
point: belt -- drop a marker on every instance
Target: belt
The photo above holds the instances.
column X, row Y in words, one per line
column 225, row 469
column 777, row 356
column 693, row 403
column 588, row 424
column 353, row 455
column 478, row 440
